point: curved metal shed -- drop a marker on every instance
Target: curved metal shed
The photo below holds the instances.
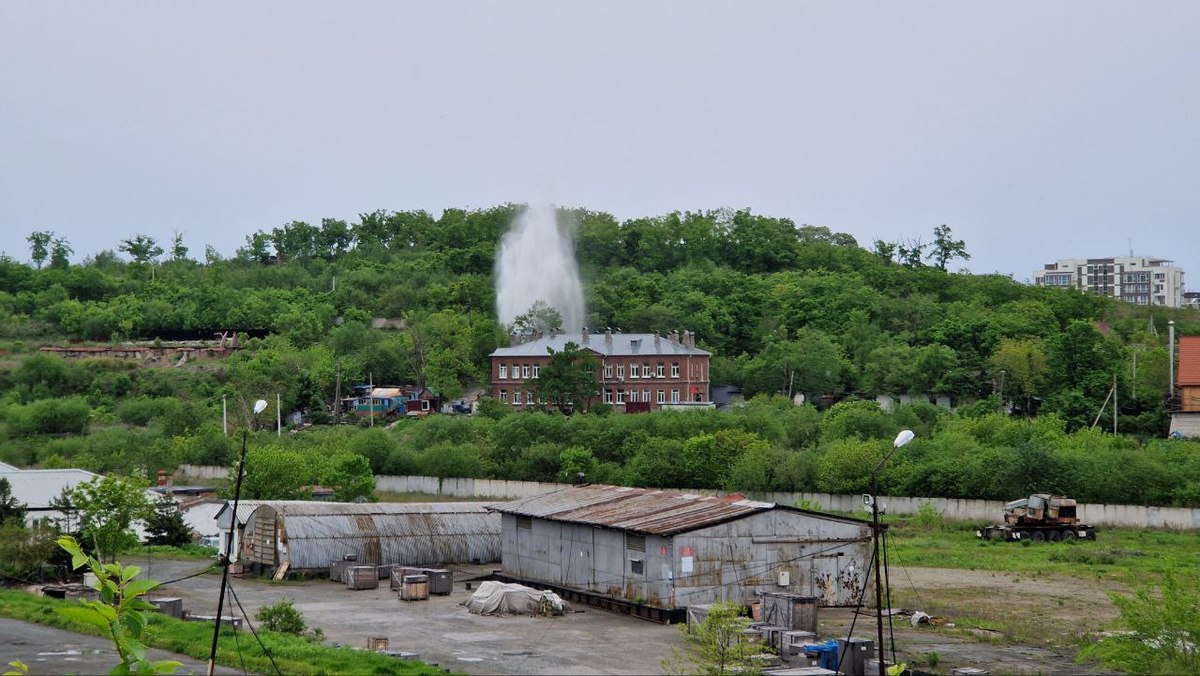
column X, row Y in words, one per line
column 308, row 536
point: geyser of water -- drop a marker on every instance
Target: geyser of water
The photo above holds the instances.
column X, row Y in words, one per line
column 536, row 262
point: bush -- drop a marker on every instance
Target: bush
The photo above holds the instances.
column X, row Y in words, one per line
column 49, row 416
column 282, row 617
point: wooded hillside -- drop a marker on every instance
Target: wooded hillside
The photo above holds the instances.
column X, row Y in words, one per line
column 782, row 307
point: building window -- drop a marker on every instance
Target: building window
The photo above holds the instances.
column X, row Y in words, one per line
column 620, row 372
column 536, row 370
column 620, row 396
column 633, row 371
column 516, row 397
column 525, row 371
column 646, row 396
column 504, row 396
column 636, row 567
column 633, row 396
column 516, row 371
column 662, row 397
column 607, row 371
column 675, row 369
column 646, row 369
column 674, row 396
column 658, row 371
column 635, row 542
column 503, row 371
column 608, row 396
column 524, row 522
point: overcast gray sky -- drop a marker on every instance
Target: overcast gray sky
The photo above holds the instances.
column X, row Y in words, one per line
column 1036, row 130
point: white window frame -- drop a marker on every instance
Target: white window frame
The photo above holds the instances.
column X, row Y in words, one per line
column 646, row 396
column 662, row 396
column 525, row 372
column 608, row 397
column 620, row 396
column 620, row 371
column 537, row 371
column 516, row 397
column 607, row 371
column 503, row 372
column 674, row 396
column 674, row 369
column 633, row 371
column 658, row 370
column 503, row 396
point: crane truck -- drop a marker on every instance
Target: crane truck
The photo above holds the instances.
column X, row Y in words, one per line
column 1039, row 517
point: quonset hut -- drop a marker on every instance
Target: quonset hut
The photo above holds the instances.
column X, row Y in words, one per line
column 308, row 536
column 669, row 550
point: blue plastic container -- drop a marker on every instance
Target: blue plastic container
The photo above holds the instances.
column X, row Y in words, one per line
column 827, row 652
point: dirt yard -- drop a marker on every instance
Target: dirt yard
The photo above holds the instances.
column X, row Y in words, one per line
column 992, row 621
column 998, row 622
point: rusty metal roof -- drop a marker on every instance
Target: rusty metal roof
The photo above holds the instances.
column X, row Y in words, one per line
column 642, row 510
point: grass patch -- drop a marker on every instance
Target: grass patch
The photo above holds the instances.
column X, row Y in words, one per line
column 1124, row 553
column 293, row 655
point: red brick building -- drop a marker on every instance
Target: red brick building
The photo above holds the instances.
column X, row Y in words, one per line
column 637, row 372
column 1185, row 418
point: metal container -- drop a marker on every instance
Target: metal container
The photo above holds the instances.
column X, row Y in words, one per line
column 385, row 571
column 169, row 606
column 853, row 654
column 400, row 572
column 441, row 581
column 337, row 571
column 415, row 588
column 362, row 577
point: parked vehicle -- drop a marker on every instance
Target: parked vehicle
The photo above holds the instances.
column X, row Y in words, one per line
column 1039, row 517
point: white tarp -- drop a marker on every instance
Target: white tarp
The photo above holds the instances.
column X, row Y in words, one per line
column 506, row 598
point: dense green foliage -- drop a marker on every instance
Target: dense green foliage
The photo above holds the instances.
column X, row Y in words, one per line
column 785, row 310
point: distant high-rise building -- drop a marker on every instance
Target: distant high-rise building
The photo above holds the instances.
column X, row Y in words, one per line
column 1140, row 280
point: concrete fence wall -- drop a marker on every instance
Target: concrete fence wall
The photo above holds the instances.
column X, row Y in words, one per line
column 957, row 509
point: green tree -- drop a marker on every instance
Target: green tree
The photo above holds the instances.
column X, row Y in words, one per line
column 39, row 246
column 107, row 507
column 946, row 248
column 541, row 317
column 141, row 248
column 178, row 251
column 282, row 617
column 12, row 510
column 165, row 525
column 273, row 473
column 1162, row 630
column 568, row 381
column 60, row 254
column 119, row 611
column 722, row 643
column 1020, row 365
column 349, row 475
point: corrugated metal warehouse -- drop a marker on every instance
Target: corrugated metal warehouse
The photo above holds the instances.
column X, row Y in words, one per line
column 669, row 549
column 308, row 536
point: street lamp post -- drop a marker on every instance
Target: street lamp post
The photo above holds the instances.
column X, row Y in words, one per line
column 901, row 439
column 259, row 406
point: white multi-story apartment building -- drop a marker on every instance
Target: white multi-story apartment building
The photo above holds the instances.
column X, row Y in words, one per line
column 1140, row 280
